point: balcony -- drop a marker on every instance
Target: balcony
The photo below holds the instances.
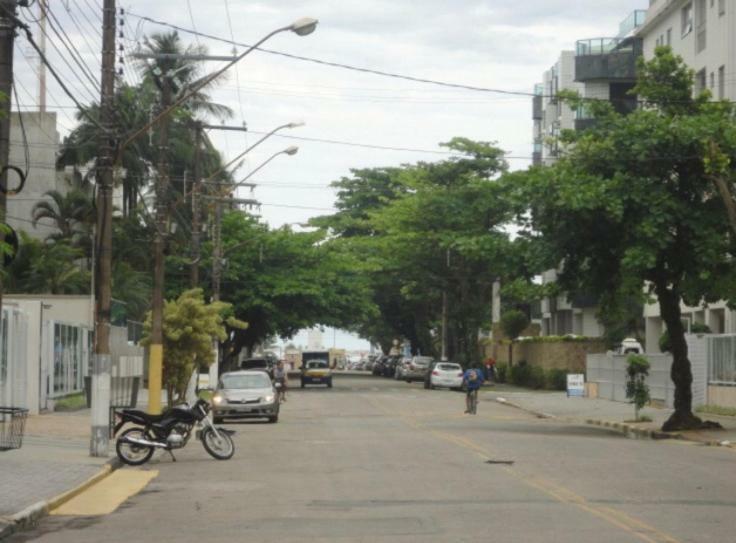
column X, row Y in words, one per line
column 607, row 59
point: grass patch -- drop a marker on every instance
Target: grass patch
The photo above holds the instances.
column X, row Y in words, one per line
column 716, row 410
column 75, row 402
column 642, row 418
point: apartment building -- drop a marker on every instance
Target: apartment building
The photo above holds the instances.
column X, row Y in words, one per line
column 703, row 33
column 550, row 115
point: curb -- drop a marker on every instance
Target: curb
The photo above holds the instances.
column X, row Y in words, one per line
column 627, row 429
column 30, row 516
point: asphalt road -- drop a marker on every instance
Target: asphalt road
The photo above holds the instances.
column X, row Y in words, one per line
column 378, row 460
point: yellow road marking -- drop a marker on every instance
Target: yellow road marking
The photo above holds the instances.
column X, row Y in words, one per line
column 107, row 495
column 634, row 526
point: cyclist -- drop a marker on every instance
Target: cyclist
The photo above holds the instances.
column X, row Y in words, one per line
column 472, row 380
column 280, row 375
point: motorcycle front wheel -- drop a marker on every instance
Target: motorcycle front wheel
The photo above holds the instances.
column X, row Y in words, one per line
column 131, row 453
column 221, row 448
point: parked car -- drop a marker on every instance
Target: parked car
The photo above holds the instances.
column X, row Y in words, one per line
column 316, row 372
column 245, row 395
column 389, row 368
column 629, row 345
column 417, row 368
column 446, row 375
column 378, row 365
column 266, row 364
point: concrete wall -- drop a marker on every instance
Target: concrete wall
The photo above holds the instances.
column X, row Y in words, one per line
column 722, row 396
column 608, row 371
column 564, row 355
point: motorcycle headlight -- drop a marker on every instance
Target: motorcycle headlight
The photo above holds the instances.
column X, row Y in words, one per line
column 268, row 399
column 218, row 399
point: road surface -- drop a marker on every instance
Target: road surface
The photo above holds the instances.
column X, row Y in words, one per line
column 379, row 460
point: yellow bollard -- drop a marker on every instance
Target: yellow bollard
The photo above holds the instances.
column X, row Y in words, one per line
column 155, row 366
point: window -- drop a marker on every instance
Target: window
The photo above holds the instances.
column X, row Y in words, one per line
column 687, row 19
column 712, row 80
column 721, row 7
column 721, row 82
column 669, row 36
column 700, row 81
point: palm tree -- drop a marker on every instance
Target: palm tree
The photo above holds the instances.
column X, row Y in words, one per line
column 72, row 214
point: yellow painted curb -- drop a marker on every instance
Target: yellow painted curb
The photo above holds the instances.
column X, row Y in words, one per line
column 104, row 498
column 57, row 501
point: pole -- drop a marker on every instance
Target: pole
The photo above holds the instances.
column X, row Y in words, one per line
column 156, row 352
column 42, row 9
column 196, row 206
column 217, row 253
column 102, row 361
column 7, row 35
column 444, row 314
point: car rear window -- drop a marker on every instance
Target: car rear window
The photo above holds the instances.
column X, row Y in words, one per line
column 316, row 364
column 448, row 367
column 251, row 364
column 245, row 381
column 422, row 361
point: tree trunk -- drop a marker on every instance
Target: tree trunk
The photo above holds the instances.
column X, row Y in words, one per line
column 511, row 354
column 682, row 418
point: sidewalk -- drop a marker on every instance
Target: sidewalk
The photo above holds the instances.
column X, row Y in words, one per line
column 608, row 413
column 53, row 460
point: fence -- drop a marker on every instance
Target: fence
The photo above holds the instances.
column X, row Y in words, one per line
column 722, row 355
column 13, row 363
column 608, row 371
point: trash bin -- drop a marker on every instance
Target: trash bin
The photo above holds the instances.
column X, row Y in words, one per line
column 12, row 426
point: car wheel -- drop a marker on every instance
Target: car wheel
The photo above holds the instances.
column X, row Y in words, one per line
column 302, row 384
column 216, row 420
column 329, row 383
column 273, row 420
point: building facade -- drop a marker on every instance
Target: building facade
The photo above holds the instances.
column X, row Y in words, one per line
column 703, row 33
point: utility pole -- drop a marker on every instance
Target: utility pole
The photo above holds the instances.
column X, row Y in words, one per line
column 217, row 252
column 196, row 206
column 102, row 361
column 7, row 35
column 444, row 313
column 156, row 351
column 42, row 14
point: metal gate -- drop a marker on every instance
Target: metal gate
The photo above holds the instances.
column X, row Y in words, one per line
column 13, row 363
column 722, row 360
column 65, row 359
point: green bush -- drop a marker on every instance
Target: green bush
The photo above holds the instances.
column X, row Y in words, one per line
column 700, row 328
column 520, row 374
column 536, row 377
column 501, row 371
column 664, row 342
column 637, row 390
column 557, row 379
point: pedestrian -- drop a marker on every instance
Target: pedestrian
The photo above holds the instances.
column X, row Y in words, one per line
column 490, row 364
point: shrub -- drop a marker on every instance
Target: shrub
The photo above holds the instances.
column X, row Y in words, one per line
column 557, row 379
column 501, row 370
column 536, row 377
column 700, row 328
column 637, row 389
column 520, row 374
column 664, row 342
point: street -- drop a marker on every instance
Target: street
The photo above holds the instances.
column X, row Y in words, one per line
column 379, row 460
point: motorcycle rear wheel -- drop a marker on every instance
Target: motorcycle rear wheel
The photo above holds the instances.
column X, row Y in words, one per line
column 130, row 453
column 220, row 449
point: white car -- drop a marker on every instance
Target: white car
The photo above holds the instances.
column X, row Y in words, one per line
column 447, row 375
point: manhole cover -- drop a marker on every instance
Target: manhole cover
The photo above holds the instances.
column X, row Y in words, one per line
column 506, row 462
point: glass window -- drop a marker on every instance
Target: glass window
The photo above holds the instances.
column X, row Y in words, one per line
column 721, row 7
column 261, row 380
column 669, row 36
column 687, row 19
column 721, row 82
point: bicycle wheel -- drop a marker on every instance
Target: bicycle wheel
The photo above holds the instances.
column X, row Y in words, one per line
column 474, row 402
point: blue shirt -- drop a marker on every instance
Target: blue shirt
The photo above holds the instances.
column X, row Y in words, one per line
column 474, row 384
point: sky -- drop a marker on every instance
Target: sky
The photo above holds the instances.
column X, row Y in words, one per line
column 493, row 43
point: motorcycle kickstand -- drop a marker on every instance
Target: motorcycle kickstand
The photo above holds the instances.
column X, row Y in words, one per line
column 173, row 458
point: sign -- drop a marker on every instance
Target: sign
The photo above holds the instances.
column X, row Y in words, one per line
column 203, row 381
column 575, row 384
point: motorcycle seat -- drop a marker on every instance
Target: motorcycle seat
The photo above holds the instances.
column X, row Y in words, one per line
column 136, row 413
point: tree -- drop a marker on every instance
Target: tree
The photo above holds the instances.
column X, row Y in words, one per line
column 630, row 205
column 190, row 326
column 72, row 214
column 513, row 323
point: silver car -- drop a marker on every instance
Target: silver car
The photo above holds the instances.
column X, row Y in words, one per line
column 245, row 395
column 417, row 368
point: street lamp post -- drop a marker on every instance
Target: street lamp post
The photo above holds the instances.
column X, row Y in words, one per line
column 300, row 27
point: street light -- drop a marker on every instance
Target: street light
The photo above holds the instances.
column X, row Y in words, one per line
column 291, row 151
column 304, row 26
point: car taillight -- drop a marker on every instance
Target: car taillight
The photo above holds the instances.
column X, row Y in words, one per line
column 435, row 372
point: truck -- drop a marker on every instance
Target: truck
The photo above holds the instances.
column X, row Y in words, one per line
column 316, row 368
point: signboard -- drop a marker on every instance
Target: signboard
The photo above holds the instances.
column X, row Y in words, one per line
column 575, row 384
column 203, row 381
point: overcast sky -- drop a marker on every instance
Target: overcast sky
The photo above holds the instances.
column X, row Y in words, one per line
column 493, row 43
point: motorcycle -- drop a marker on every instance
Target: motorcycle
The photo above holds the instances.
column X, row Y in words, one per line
column 170, row 430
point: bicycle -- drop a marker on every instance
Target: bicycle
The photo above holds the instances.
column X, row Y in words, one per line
column 280, row 392
column 472, row 401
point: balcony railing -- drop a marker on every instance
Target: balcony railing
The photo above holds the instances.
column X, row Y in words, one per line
column 607, row 59
column 635, row 19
